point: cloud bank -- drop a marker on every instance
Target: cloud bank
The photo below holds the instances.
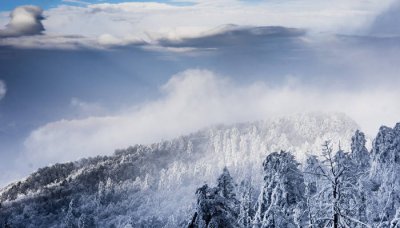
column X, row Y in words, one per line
column 24, row 21
column 195, row 99
column 233, row 35
column 106, row 24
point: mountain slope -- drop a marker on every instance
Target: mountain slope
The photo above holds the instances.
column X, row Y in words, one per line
column 154, row 185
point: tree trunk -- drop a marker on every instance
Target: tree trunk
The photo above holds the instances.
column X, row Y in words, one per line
column 335, row 220
column 335, row 208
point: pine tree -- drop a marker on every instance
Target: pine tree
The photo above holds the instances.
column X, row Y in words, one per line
column 282, row 193
column 69, row 221
column 359, row 153
column 226, row 185
column 86, row 221
column 383, row 200
column 313, row 184
column 218, row 206
column 246, row 211
column 358, row 161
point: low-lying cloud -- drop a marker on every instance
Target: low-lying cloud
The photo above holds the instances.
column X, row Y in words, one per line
column 24, row 21
column 195, row 99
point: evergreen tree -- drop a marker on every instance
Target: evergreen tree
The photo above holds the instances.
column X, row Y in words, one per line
column 226, row 185
column 314, row 184
column 246, row 211
column 216, row 207
column 282, row 193
column 354, row 201
column 69, row 221
column 359, row 153
column 383, row 202
column 86, row 221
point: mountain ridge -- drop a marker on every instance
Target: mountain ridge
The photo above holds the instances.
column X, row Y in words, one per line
column 152, row 176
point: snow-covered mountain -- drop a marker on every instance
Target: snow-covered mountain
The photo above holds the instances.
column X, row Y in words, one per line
column 153, row 185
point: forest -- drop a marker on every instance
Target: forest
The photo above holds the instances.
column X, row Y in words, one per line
column 179, row 183
column 338, row 189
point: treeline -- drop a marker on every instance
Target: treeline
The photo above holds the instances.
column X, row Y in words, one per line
column 359, row 188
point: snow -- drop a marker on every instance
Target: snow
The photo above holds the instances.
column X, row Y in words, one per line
column 157, row 182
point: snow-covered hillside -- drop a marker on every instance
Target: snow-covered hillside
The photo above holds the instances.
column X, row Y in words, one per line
column 154, row 185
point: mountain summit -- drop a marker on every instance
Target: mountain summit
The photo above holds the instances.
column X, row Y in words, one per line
column 153, row 185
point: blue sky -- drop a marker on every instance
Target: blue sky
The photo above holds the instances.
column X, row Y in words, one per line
column 11, row 4
column 83, row 81
column 46, row 4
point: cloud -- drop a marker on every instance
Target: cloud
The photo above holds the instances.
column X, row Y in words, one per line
column 233, row 35
column 354, row 75
column 71, row 42
column 25, row 21
column 195, row 99
column 220, row 37
column 84, row 108
column 386, row 23
column 118, row 24
column 3, row 89
column 108, row 40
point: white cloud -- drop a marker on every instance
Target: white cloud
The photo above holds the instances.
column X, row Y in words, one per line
column 195, row 99
column 3, row 89
column 24, row 20
column 86, row 108
column 106, row 40
column 50, row 42
column 143, row 18
column 122, row 23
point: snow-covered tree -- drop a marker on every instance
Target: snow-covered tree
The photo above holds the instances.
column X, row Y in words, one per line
column 86, row 221
column 282, row 193
column 336, row 190
column 226, row 185
column 218, row 206
column 358, row 163
column 246, row 210
column 314, row 188
column 383, row 201
column 70, row 219
column 359, row 153
column 212, row 210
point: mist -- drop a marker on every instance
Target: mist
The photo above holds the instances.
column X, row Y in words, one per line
column 195, row 99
